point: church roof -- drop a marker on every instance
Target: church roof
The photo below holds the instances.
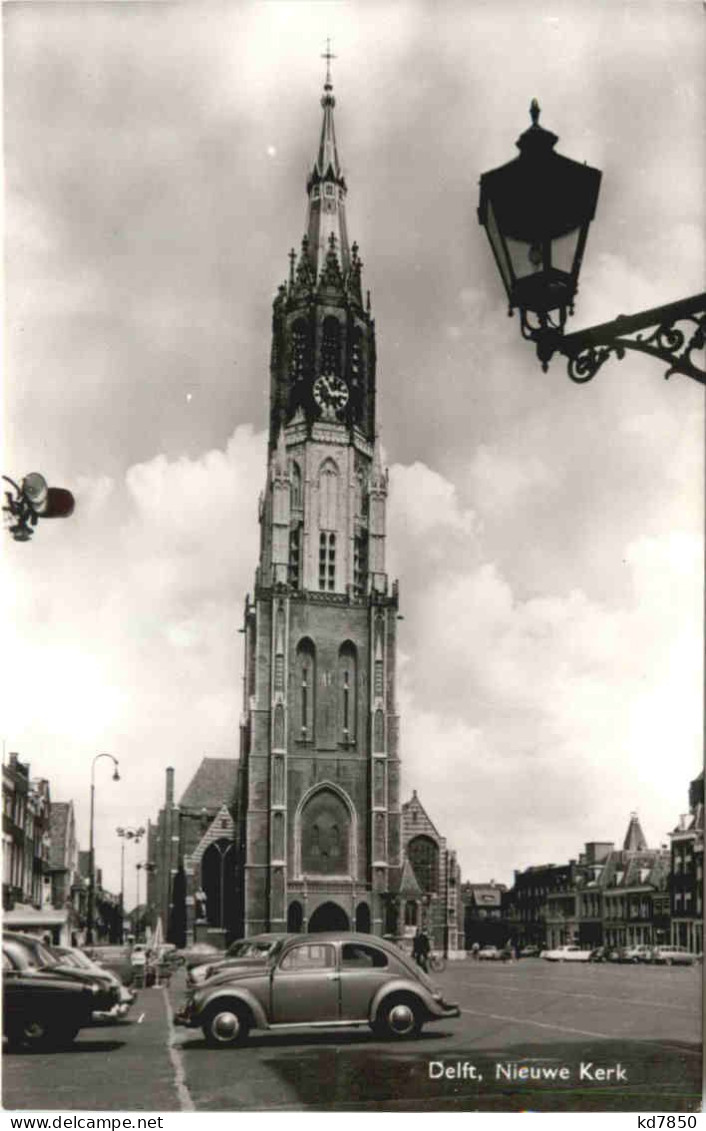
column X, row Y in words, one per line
column 415, row 805
column 634, row 838
column 212, row 785
column 409, row 887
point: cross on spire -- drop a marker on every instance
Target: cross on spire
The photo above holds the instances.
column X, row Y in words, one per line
column 328, row 56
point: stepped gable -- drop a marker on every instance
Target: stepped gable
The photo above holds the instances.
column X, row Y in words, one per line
column 212, row 785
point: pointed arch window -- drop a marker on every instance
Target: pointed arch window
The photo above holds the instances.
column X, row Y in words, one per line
column 299, row 350
column 296, row 491
column 328, row 495
column 360, row 563
column 347, row 687
column 305, row 683
column 331, row 346
column 295, row 556
column 357, row 359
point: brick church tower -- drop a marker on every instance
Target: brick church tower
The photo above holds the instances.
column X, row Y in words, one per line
column 318, row 823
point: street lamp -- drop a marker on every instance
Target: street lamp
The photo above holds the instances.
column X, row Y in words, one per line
column 126, row 834
column 31, row 500
column 536, row 210
column 91, row 855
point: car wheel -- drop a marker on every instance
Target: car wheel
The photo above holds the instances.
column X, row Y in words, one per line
column 399, row 1017
column 225, row 1025
column 39, row 1033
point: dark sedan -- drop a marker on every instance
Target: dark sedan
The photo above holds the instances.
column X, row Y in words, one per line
column 320, row 980
column 43, row 1007
column 253, row 951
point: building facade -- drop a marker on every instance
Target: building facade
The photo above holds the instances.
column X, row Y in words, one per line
column 608, row 896
column 191, row 876
column 686, row 880
column 318, row 820
column 26, row 837
column 437, row 904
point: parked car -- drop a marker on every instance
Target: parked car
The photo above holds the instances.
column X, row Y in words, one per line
column 530, row 952
column 115, row 959
column 598, row 954
column 570, row 953
column 673, row 956
column 74, row 957
column 200, row 953
column 32, row 954
column 41, row 1007
column 245, row 952
column 490, row 954
column 637, row 954
column 320, row 980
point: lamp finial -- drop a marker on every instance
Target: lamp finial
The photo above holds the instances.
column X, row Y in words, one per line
column 535, row 111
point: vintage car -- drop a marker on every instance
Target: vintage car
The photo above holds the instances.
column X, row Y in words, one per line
column 318, row 980
column 245, row 952
column 43, row 1006
column 30, row 953
column 490, row 954
column 72, row 956
column 570, row 953
column 673, row 956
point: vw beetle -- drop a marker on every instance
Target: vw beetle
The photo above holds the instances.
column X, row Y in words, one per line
column 320, row 980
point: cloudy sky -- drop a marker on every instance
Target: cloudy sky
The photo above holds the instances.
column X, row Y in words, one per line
column 547, row 537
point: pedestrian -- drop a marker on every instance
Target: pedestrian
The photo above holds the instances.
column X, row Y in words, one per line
column 474, row 951
column 420, row 948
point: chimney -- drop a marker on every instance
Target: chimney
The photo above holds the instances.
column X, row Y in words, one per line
column 682, row 819
column 170, row 787
column 13, row 761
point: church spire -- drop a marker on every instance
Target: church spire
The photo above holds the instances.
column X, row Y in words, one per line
column 326, row 189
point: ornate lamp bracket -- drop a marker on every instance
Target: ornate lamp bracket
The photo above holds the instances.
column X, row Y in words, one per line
column 673, row 344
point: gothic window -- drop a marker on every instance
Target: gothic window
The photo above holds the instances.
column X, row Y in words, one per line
column 325, row 834
column 347, row 684
column 300, row 350
column 329, row 189
column 379, row 783
column 328, row 495
column 331, row 346
column 410, row 913
column 296, row 492
column 295, row 556
column 305, row 676
column 278, row 836
column 424, row 857
column 327, row 561
column 360, row 563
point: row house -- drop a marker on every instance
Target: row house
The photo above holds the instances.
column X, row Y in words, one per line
column 26, row 810
column 686, row 884
column 608, row 896
column 483, row 919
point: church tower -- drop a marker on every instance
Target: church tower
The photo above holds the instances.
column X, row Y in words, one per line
column 318, row 810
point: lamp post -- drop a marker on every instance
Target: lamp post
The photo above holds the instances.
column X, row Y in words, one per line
column 90, row 916
column 536, row 210
column 126, row 834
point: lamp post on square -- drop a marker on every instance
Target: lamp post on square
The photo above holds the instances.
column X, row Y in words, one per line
column 91, row 911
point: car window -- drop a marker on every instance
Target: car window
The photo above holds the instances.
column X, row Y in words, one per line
column 358, row 955
column 310, row 956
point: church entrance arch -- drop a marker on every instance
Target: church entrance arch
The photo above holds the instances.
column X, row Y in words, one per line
column 295, row 917
column 329, row 917
column 362, row 918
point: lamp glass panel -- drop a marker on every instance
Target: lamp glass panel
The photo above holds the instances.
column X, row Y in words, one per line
column 564, row 251
column 499, row 247
column 527, row 259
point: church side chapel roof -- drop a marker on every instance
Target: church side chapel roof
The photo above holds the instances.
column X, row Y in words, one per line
column 423, row 823
column 409, row 887
column 212, row 785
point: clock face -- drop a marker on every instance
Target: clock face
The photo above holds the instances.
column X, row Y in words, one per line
column 330, row 392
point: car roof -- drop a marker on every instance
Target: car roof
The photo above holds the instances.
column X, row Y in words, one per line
column 344, row 937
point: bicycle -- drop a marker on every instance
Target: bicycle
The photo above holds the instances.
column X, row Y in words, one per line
column 437, row 963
